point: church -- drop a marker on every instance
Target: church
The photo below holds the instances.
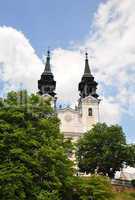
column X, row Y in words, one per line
column 74, row 122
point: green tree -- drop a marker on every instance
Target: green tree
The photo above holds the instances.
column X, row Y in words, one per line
column 90, row 188
column 33, row 153
column 103, row 149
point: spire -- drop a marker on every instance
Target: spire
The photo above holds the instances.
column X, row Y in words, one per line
column 47, row 64
column 47, row 84
column 88, row 85
column 87, row 71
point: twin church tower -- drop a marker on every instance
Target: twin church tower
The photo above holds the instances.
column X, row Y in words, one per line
column 74, row 122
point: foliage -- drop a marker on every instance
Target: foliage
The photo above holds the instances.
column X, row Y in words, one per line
column 45, row 195
column 125, row 195
column 131, row 153
column 33, row 159
column 90, row 188
column 133, row 182
column 104, row 148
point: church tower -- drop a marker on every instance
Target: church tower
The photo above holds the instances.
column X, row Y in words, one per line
column 74, row 122
column 88, row 85
column 88, row 102
column 47, row 84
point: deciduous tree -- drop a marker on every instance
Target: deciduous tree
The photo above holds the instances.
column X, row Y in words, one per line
column 103, row 149
column 33, row 155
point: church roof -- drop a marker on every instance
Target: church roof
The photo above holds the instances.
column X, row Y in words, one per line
column 47, row 69
column 47, row 84
column 87, row 71
column 88, row 85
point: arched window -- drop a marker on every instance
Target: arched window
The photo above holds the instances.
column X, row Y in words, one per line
column 90, row 112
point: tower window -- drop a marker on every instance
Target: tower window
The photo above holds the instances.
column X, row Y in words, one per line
column 90, row 112
column 90, row 90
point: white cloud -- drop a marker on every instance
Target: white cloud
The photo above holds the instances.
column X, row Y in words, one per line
column 68, row 68
column 110, row 111
column 19, row 62
column 111, row 46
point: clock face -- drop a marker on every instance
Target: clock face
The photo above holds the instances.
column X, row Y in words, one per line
column 68, row 118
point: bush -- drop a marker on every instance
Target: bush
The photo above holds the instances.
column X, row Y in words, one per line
column 133, row 182
column 90, row 188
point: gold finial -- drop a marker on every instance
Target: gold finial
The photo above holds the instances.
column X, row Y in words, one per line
column 48, row 52
column 86, row 55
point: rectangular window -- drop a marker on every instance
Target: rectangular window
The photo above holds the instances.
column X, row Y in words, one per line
column 90, row 112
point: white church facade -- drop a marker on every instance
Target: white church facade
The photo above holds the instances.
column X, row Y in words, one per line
column 74, row 122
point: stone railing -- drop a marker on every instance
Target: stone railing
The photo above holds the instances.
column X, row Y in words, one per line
column 119, row 182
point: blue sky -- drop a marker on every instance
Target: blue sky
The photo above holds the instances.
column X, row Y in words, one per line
column 60, row 24
column 51, row 23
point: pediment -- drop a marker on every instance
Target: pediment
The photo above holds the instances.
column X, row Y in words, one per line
column 90, row 99
column 68, row 110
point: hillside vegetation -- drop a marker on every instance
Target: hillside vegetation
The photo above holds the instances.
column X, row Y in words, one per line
column 125, row 196
column 34, row 158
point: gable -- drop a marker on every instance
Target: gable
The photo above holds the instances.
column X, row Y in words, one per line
column 90, row 99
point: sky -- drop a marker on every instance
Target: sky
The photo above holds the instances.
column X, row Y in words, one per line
column 105, row 28
column 50, row 23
